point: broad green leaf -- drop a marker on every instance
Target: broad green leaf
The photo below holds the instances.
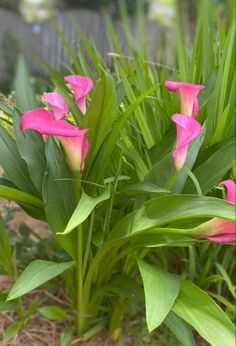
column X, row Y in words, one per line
column 165, row 237
column 143, row 188
column 180, row 329
column 212, row 171
column 25, row 99
column 125, row 286
column 31, row 204
column 13, row 165
column 100, row 115
column 169, row 209
column 32, row 149
column 53, row 313
column 8, row 306
column 195, row 307
column 5, row 250
column 19, row 196
column 37, row 273
column 161, row 289
column 84, row 209
column 11, row 331
column 59, row 194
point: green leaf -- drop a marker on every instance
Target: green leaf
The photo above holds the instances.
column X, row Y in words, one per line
column 104, row 155
column 212, row 171
column 180, row 329
column 100, row 115
column 8, row 306
column 32, row 205
column 59, row 194
column 169, row 209
column 126, row 287
column 143, row 188
column 32, row 149
column 11, row 331
column 165, row 237
column 66, row 337
column 53, row 313
column 37, row 273
column 84, row 209
column 19, row 196
column 161, row 289
column 195, row 307
column 5, row 250
column 7, row 110
column 25, row 99
column 13, row 165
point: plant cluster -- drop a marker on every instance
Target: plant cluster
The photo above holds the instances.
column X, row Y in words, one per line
column 129, row 167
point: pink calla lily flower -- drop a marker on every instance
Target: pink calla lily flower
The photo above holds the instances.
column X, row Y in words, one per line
column 81, row 86
column 231, row 190
column 187, row 130
column 72, row 138
column 57, row 103
column 217, row 230
column 188, row 96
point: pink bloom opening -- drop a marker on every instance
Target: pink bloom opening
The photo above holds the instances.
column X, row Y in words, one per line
column 188, row 96
column 81, row 86
column 223, row 231
column 187, row 130
column 218, row 230
column 57, row 103
column 231, row 190
column 72, row 138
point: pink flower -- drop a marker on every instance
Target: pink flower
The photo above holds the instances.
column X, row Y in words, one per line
column 188, row 96
column 57, row 103
column 217, row 230
column 187, row 130
column 81, row 86
column 72, row 138
column 231, row 190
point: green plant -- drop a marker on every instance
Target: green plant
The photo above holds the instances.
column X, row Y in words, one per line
column 129, row 200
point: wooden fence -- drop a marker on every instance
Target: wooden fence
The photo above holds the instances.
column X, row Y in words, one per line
column 15, row 34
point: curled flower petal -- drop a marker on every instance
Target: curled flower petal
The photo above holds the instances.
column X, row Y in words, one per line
column 72, row 138
column 187, row 130
column 188, row 96
column 231, row 190
column 81, row 86
column 41, row 120
column 218, row 230
column 57, row 103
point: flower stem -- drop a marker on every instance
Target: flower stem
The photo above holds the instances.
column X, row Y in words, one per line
column 87, row 248
column 80, row 303
column 172, row 181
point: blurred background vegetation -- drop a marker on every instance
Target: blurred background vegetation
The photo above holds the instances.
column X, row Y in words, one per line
column 36, row 12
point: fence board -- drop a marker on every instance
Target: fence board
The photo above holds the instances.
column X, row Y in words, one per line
column 43, row 38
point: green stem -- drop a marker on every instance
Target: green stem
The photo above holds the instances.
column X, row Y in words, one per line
column 194, row 180
column 80, row 307
column 81, row 318
column 109, row 212
column 15, row 276
column 87, row 248
column 172, row 181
